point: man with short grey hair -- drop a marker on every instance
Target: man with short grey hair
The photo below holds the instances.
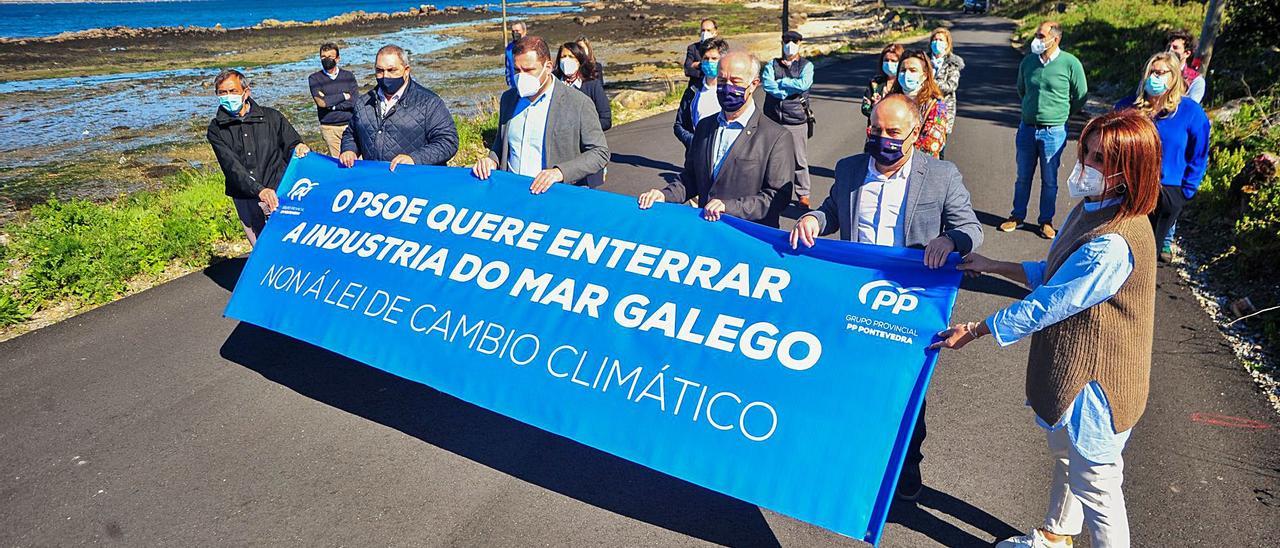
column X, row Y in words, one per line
column 253, row 144
column 399, row 120
column 890, row 196
column 739, row 162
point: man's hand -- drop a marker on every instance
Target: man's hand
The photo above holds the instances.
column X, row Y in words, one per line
column 400, row 159
column 935, row 253
column 545, row 179
column 651, row 197
column 713, row 210
column 347, row 158
column 269, row 198
column 483, row 168
column 805, row 231
column 960, row 335
column 301, row 150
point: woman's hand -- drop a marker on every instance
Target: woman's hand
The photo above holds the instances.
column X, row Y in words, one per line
column 974, row 265
column 960, row 335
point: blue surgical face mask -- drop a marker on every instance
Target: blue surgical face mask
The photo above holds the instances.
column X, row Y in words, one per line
column 938, row 46
column 1155, row 85
column 909, row 81
column 710, row 69
column 890, row 68
column 231, row 103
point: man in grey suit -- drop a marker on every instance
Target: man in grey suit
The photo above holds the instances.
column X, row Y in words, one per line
column 891, row 196
column 739, row 162
column 546, row 129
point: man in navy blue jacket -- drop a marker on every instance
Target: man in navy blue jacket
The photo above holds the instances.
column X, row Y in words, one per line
column 399, row 120
column 334, row 90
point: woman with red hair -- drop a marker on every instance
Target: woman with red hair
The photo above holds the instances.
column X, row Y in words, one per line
column 1090, row 315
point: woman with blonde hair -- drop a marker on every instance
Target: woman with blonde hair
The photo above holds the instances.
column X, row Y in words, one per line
column 915, row 80
column 1184, row 138
column 946, row 70
column 1090, row 316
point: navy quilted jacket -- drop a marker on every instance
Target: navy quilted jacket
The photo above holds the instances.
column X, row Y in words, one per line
column 418, row 125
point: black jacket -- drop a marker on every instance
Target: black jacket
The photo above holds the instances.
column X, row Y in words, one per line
column 755, row 176
column 595, row 90
column 419, row 125
column 692, row 58
column 252, row 150
column 683, row 127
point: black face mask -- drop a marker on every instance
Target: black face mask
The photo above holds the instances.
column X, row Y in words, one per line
column 328, row 63
column 885, row 150
column 390, row 86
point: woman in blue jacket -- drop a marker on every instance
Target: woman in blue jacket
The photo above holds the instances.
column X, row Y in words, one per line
column 1184, row 138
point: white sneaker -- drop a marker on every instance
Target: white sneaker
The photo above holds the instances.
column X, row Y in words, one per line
column 1034, row 539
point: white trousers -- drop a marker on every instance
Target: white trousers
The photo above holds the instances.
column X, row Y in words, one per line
column 1086, row 493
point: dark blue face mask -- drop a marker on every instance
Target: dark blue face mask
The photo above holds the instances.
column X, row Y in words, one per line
column 390, row 86
column 731, row 97
column 885, row 150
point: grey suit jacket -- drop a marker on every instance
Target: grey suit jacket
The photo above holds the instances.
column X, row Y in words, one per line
column 573, row 141
column 937, row 203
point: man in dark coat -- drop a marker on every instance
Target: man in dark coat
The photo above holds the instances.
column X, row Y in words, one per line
column 399, row 121
column 739, row 161
column 253, row 144
column 693, row 53
column 334, row 90
column 699, row 100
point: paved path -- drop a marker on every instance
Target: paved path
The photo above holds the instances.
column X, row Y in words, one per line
column 154, row 421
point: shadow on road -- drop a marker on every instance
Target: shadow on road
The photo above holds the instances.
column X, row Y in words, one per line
column 226, row 273
column 913, row 517
column 501, row 443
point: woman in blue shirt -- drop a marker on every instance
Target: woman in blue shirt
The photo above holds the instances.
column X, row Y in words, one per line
column 1090, row 317
column 1184, row 138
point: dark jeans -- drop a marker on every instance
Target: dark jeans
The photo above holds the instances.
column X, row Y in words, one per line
column 1166, row 214
column 1038, row 146
column 911, row 465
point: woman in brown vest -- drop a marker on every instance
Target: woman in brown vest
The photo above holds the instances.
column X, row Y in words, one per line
column 1089, row 316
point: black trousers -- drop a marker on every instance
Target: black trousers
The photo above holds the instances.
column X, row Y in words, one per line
column 911, row 466
column 1168, row 209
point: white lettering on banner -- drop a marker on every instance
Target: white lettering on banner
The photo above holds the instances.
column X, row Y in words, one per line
column 890, row 295
column 758, row 341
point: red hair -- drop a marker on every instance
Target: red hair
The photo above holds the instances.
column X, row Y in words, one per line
column 1130, row 147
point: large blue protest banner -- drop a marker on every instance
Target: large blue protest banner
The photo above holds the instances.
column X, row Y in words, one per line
column 706, row 350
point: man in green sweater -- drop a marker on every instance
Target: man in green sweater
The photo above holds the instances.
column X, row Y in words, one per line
column 1052, row 86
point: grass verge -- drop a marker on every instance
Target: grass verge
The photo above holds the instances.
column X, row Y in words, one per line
column 1236, row 234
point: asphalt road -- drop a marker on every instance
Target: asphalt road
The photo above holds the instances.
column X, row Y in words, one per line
column 155, row 421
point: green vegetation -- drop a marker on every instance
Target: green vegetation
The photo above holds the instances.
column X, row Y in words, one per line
column 940, row 4
column 1114, row 38
column 86, row 253
column 89, row 253
column 1237, row 232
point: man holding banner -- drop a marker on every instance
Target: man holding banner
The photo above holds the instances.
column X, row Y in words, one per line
column 739, row 162
column 888, row 196
column 546, row 129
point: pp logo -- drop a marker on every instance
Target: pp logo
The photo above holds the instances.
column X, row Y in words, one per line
column 301, row 189
column 884, row 293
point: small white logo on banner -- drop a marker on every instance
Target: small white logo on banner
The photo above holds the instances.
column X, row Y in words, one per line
column 889, row 295
column 301, row 189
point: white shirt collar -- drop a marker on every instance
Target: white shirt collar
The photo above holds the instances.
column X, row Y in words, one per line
column 1052, row 56
column 873, row 173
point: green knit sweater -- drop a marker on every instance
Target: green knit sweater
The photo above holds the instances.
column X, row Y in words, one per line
column 1051, row 92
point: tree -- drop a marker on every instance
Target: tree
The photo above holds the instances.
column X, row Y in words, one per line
column 1209, row 32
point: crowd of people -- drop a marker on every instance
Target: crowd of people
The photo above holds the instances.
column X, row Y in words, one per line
column 1137, row 168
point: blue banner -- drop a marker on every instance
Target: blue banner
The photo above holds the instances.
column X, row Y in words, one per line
column 706, row 350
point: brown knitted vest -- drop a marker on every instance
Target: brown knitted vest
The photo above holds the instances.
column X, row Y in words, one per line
column 1109, row 342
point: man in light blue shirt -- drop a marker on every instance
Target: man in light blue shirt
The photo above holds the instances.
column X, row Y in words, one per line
column 526, row 132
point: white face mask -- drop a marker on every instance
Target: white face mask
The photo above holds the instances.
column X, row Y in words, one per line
column 568, row 66
column 1086, row 182
column 706, row 34
column 1038, row 47
column 527, row 85
column 790, row 48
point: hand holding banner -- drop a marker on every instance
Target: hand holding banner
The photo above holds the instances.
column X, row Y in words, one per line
column 710, row 351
